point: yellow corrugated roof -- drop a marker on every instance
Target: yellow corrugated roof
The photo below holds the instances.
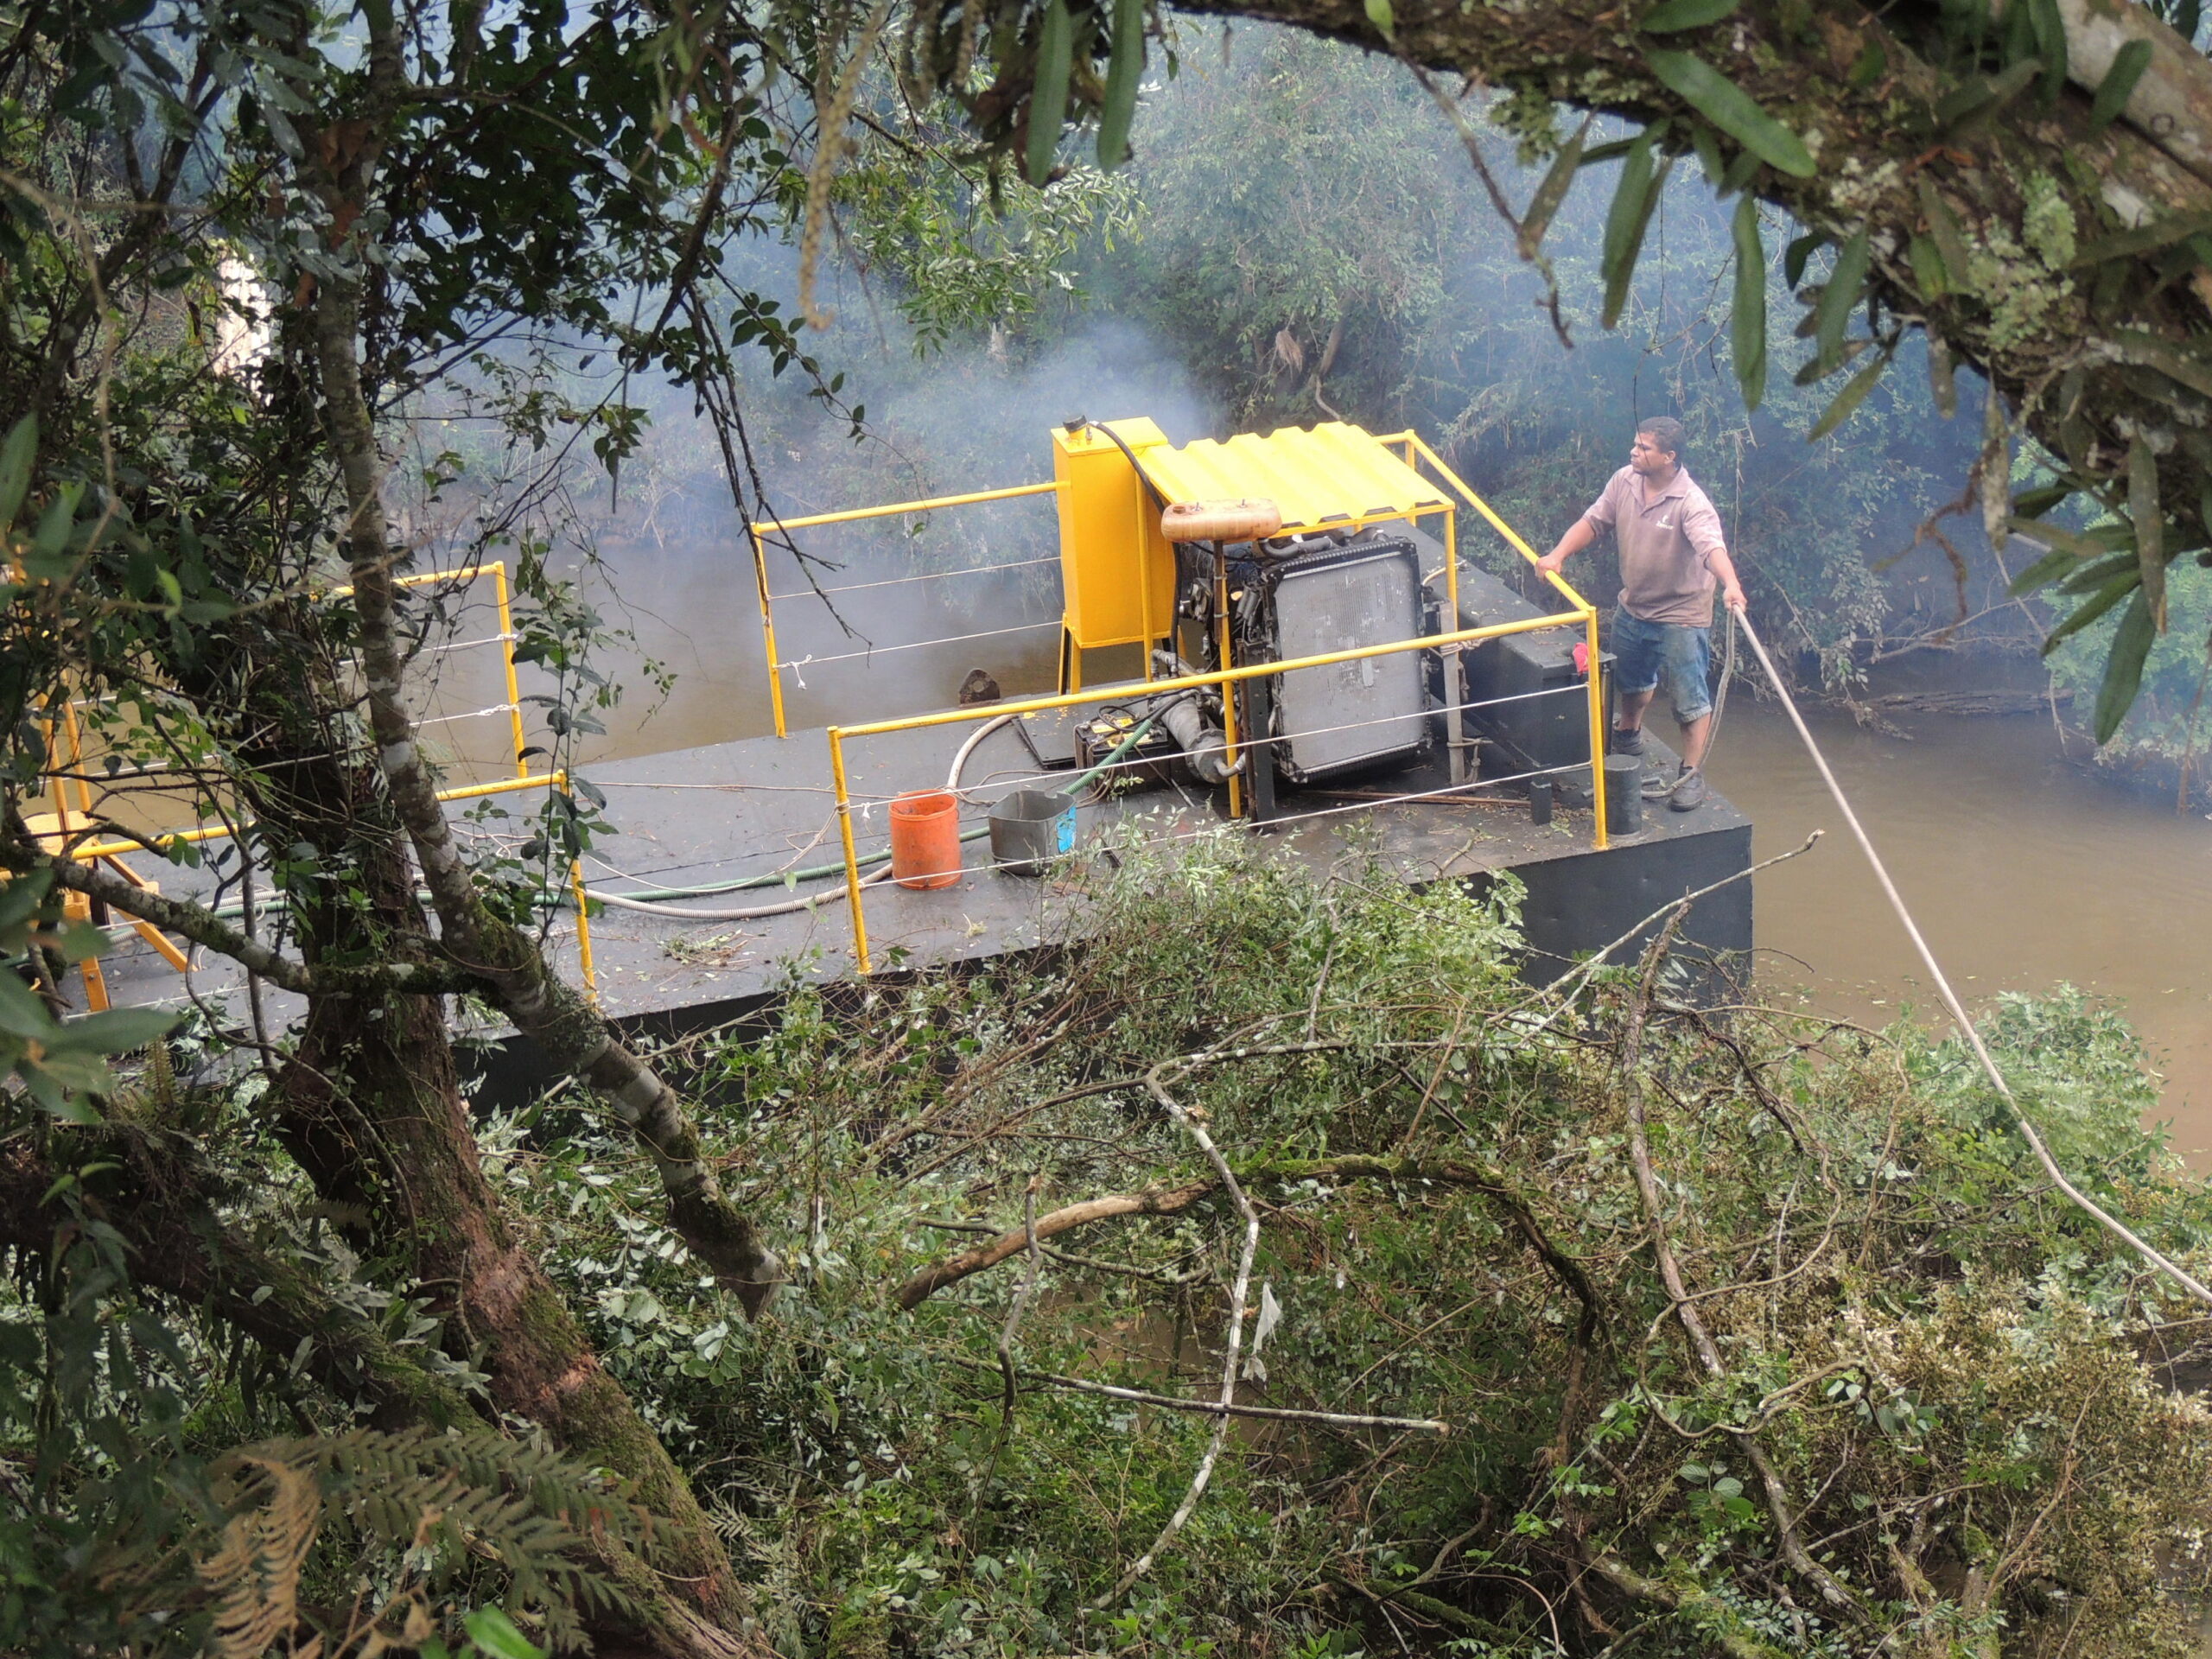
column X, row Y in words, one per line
column 1335, row 472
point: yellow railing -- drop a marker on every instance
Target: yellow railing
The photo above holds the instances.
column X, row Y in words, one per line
column 113, row 851
column 1454, row 640
column 762, row 529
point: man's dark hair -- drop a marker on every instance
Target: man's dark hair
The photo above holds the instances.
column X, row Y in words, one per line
column 1666, row 431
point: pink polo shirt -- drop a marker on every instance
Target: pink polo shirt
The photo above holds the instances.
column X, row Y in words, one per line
column 1665, row 539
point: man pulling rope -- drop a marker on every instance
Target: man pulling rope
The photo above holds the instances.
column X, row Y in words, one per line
column 1672, row 558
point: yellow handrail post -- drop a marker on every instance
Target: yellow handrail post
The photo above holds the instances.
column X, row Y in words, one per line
column 1600, row 838
column 583, row 930
column 1451, row 563
column 53, row 784
column 768, row 630
column 1228, row 692
column 852, row 863
column 498, row 570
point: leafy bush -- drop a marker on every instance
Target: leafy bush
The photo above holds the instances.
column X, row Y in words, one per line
column 1966, row 1395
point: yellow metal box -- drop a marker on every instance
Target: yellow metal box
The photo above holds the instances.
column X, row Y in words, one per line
column 1117, row 571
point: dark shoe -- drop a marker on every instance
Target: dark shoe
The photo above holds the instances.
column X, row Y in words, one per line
column 1690, row 790
column 1626, row 742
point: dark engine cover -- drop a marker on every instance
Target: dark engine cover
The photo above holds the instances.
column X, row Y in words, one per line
column 1367, row 592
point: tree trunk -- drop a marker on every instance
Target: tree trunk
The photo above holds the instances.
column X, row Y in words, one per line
column 369, row 1104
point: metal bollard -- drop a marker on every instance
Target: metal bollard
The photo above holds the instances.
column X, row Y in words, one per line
column 1624, row 794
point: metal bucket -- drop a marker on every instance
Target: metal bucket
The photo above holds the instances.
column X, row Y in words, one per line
column 1029, row 829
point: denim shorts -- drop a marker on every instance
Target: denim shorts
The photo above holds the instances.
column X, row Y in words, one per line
column 1644, row 653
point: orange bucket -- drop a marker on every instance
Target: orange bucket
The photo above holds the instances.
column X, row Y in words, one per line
column 926, row 839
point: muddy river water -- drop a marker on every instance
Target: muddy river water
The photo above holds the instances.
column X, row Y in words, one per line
column 2021, row 868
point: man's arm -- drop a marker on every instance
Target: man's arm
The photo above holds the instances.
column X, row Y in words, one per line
column 1578, row 536
column 1702, row 526
column 1731, row 591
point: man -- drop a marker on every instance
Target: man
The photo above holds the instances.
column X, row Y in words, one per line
column 1672, row 557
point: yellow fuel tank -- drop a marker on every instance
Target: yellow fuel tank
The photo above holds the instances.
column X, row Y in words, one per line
column 1117, row 571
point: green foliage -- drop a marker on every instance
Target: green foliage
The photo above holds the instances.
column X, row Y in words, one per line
column 1296, row 248
column 1720, row 101
column 137, row 1525
column 967, row 257
column 1912, row 1327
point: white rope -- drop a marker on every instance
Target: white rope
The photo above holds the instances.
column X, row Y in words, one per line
column 2111, row 1223
column 811, row 661
column 469, row 644
column 927, row 576
column 474, row 713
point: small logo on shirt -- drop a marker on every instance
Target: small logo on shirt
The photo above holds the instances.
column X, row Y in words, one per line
column 1665, row 523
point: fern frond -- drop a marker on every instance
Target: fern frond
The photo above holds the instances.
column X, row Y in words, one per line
column 254, row 1575
column 459, row 1503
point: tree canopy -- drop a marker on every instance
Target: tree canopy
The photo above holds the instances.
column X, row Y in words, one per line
column 2027, row 187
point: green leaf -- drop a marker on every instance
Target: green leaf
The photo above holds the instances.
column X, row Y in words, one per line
column 2102, row 601
column 1819, row 368
column 20, row 896
column 494, row 1633
column 2097, row 572
column 1740, row 172
column 1706, row 142
column 1379, row 15
column 1927, row 268
column 16, row 455
column 1845, row 284
column 51, row 540
column 1671, row 14
column 1747, row 316
column 1624, row 221
column 1553, row 191
column 1720, row 101
column 1979, row 95
column 1847, row 401
column 2123, row 667
column 1867, row 69
column 2042, row 572
column 2050, row 46
column 2118, row 84
column 118, row 1031
column 1048, row 95
column 2143, row 239
column 21, row 1015
column 2180, row 367
column 1943, row 229
column 2150, row 521
column 1122, row 73
column 2033, row 504
column 2092, row 544
column 1794, row 256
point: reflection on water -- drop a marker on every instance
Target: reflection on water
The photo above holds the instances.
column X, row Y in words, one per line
column 2022, row 870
